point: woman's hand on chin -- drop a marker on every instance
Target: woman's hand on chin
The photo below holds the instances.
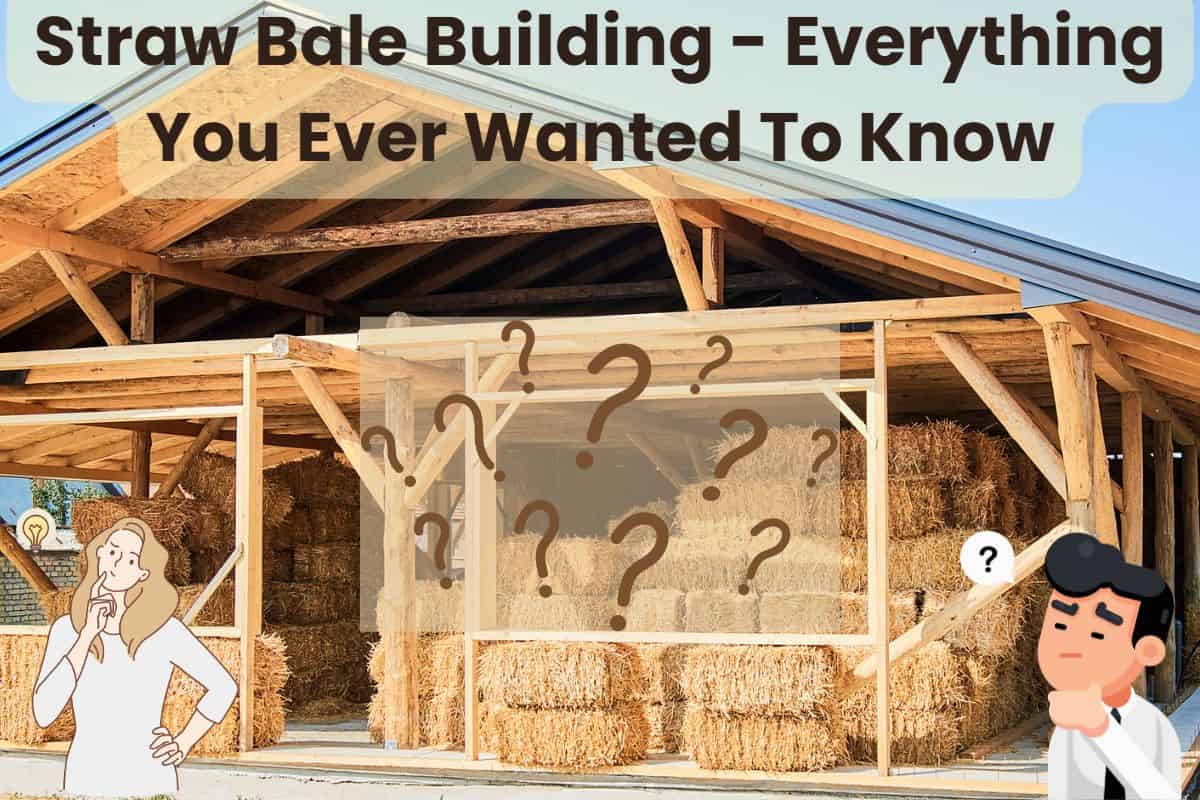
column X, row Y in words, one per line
column 166, row 748
column 100, row 609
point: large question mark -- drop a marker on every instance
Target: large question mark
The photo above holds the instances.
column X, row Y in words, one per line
column 539, row 556
column 989, row 559
column 389, row 442
column 439, row 419
column 439, row 552
column 584, row 459
column 785, row 536
column 720, row 360
column 746, row 448
column 662, row 535
column 823, row 456
column 526, row 348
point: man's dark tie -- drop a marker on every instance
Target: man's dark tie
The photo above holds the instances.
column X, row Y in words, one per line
column 1113, row 790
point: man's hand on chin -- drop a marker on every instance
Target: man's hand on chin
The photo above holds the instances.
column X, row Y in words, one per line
column 1080, row 711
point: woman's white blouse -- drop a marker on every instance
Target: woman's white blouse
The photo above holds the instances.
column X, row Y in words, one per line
column 118, row 703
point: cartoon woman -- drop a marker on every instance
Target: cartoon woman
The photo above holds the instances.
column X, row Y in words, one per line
column 113, row 656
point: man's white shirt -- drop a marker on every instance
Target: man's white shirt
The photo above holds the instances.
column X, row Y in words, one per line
column 1142, row 751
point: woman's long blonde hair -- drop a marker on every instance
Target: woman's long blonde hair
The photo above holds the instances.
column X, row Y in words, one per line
column 148, row 605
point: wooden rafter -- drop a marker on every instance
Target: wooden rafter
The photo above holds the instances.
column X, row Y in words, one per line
column 91, row 305
column 29, row 569
column 194, row 449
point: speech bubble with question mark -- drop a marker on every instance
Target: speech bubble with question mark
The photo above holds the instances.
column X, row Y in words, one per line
column 539, row 556
column 823, row 456
column 526, row 348
column 439, row 419
column 785, row 536
column 439, row 549
column 987, row 558
column 584, row 459
column 662, row 535
column 719, row 361
column 756, row 440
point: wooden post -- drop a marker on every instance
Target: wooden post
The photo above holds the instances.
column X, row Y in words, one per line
column 877, row 543
column 248, row 583
column 314, row 325
column 197, row 446
column 713, row 265
column 1102, row 492
column 398, row 622
column 141, row 331
column 1190, row 531
column 680, row 253
column 1132, row 449
column 1074, row 424
column 11, row 549
column 1164, row 545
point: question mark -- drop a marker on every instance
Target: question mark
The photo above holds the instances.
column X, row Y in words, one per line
column 539, row 556
column 662, row 535
column 389, row 442
column 584, row 459
column 823, row 433
column 526, row 348
column 439, row 553
column 720, row 360
column 785, row 536
column 439, row 419
column 729, row 459
column 990, row 558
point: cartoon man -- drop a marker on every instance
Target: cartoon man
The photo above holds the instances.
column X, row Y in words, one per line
column 1106, row 622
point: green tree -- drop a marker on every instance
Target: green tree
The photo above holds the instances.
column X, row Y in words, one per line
column 57, row 496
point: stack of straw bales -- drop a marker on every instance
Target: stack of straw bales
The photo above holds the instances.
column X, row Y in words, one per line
column 564, row 705
column 763, row 708
column 439, row 691
column 661, row 695
column 21, row 656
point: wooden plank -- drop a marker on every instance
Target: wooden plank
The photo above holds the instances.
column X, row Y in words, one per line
column 1074, row 424
column 712, row 261
column 141, row 331
column 1164, row 545
column 248, row 581
column 197, row 446
column 1189, row 530
column 877, row 544
column 125, row 416
column 423, row 231
column 1132, row 450
column 23, row 562
column 91, row 305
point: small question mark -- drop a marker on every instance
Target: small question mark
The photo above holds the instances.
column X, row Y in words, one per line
column 753, row 443
column 526, row 348
column 439, row 419
column 389, row 442
column 584, row 459
column 988, row 559
column 662, row 535
column 539, row 556
column 785, row 536
column 719, row 361
column 439, row 552
column 823, row 433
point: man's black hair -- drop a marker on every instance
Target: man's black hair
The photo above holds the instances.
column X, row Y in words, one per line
column 1079, row 564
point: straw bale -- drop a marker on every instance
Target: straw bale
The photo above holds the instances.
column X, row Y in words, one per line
column 800, row 612
column 57, row 603
column 559, row 612
column 172, row 518
column 219, row 608
column 981, row 505
column 744, row 503
column 994, row 630
column 935, row 449
column 438, row 610
column 763, row 680
column 576, row 565
column 212, row 478
column 439, row 664
column 309, row 603
column 720, row 612
column 661, row 669
column 934, row 678
column 916, row 507
column 788, row 454
column 656, row 610
column 1025, row 475
column 270, row 675
column 348, row 683
column 335, row 644
column 279, row 566
column 662, row 508
column 320, row 478
column 214, row 530
column 326, row 563
column 995, row 702
column 573, row 738
column 666, row 726
column 988, row 458
column 328, row 522
column 20, row 661
column 441, row 719
column 771, row 744
column 918, row 737
column 295, row 527
column 809, row 564
column 578, row 675
column 693, row 565
column 928, row 562
column 905, row 609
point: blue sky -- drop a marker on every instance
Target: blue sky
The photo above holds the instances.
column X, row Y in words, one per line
column 1134, row 201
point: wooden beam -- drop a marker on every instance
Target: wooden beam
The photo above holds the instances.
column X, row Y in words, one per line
column 680, row 253
column 69, row 473
column 197, row 446
column 23, row 562
column 658, row 459
column 1190, row 531
column 1102, row 494
column 1164, row 545
column 322, row 355
column 141, row 331
column 712, row 261
column 343, row 432
column 422, row 231
column 1132, row 449
column 1074, row 424
column 137, row 262
column 877, row 543
column 91, row 305
column 248, row 581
